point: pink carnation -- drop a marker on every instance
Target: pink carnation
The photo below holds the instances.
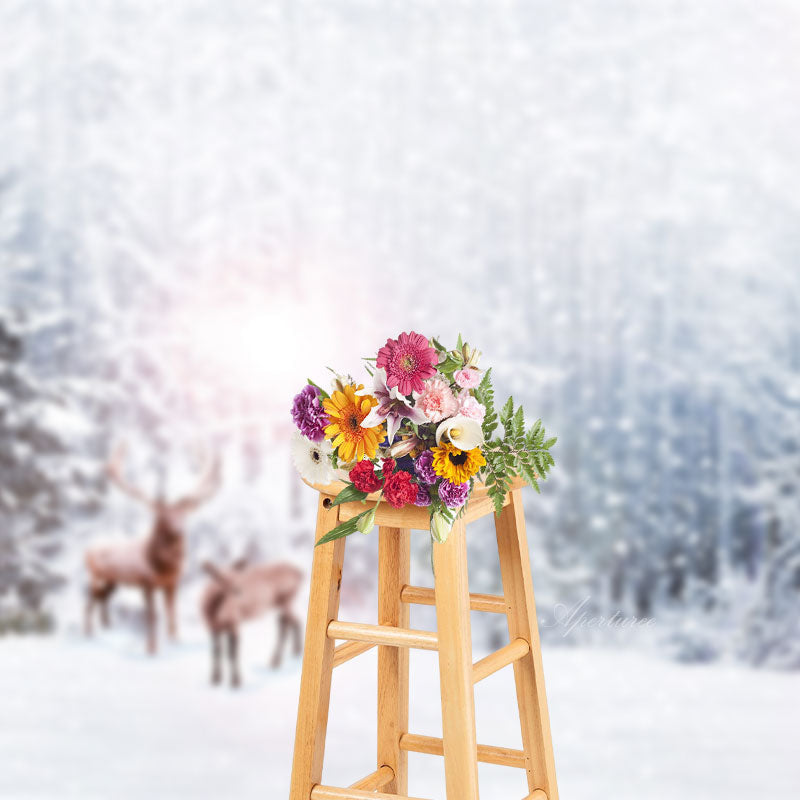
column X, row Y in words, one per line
column 437, row 400
column 467, row 378
column 468, row 406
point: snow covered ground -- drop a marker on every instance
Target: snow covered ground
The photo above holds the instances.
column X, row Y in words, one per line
column 100, row 720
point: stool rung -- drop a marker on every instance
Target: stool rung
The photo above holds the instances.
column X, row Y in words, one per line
column 503, row 657
column 536, row 794
column 477, row 602
column 375, row 781
column 504, row 756
column 383, row 634
column 344, row 652
column 332, row 793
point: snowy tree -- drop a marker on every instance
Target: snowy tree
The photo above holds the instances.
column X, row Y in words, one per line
column 43, row 484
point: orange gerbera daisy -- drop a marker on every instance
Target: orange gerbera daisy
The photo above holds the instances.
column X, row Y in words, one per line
column 347, row 410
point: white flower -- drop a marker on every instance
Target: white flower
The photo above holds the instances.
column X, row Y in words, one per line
column 312, row 459
column 463, row 432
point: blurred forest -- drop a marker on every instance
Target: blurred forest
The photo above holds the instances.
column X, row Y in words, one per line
column 202, row 204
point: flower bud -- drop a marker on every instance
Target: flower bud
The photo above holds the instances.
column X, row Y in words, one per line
column 339, row 382
column 440, row 527
column 366, row 523
column 471, row 356
column 404, row 447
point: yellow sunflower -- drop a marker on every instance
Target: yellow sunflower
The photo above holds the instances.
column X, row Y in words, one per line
column 457, row 466
column 346, row 411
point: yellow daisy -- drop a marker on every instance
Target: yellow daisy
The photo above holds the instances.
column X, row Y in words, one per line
column 346, row 411
column 457, row 466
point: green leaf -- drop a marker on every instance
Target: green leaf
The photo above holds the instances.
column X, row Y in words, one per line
column 449, row 366
column 519, row 423
column 484, row 394
column 344, row 529
column 322, row 392
column 550, row 442
column 508, row 410
column 528, row 474
column 485, row 386
column 498, row 495
column 348, row 495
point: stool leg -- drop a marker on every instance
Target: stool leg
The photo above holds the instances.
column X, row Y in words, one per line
column 455, row 666
column 315, row 682
column 528, row 672
column 393, row 573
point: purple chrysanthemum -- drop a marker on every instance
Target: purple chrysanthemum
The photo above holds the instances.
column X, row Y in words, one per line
column 423, row 497
column 423, row 466
column 453, row 495
column 308, row 413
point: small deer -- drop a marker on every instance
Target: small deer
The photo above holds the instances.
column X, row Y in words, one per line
column 151, row 563
column 243, row 593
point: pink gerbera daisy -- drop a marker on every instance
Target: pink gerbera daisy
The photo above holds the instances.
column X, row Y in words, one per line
column 408, row 360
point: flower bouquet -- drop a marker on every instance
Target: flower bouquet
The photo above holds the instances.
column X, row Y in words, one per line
column 422, row 435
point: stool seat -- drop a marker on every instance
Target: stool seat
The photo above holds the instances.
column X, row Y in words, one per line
column 414, row 517
column 479, row 489
column 452, row 641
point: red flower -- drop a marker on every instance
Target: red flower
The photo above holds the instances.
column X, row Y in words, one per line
column 364, row 478
column 399, row 491
column 387, row 468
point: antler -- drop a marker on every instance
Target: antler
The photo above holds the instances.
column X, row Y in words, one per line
column 114, row 472
column 207, row 486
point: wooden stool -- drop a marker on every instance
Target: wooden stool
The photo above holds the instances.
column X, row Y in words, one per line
column 453, row 641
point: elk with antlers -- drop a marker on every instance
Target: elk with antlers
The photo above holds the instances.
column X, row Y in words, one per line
column 150, row 563
column 243, row 593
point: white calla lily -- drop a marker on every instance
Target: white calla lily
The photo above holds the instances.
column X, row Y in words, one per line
column 463, row 432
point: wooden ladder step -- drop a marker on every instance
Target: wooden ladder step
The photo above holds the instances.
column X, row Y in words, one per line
column 504, row 756
column 332, row 793
column 536, row 794
column 418, row 595
column 344, row 652
column 512, row 652
column 383, row 634
column 375, row 781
